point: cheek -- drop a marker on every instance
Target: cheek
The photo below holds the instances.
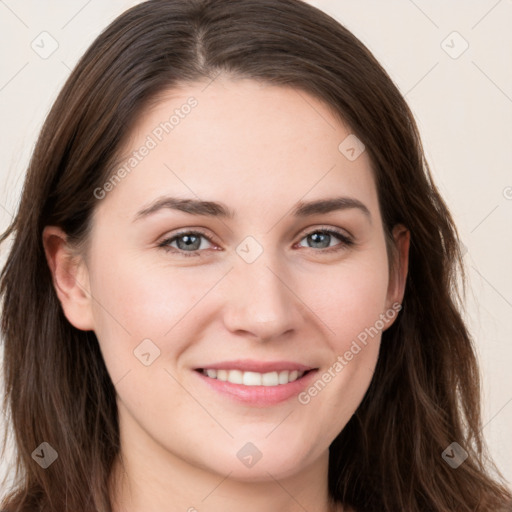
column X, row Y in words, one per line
column 129, row 306
column 136, row 289
column 351, row 304
column 135, row 300
column 350, row 298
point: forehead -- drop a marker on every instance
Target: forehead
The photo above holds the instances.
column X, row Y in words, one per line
column 244, row 142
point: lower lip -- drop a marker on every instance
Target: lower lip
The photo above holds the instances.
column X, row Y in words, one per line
column 259, row 396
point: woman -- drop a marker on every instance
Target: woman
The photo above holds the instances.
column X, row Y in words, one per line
column 233, row 282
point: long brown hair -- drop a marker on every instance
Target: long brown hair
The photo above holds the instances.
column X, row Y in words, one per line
column 425, row 393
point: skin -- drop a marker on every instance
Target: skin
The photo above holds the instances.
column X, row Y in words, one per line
column 259, row 149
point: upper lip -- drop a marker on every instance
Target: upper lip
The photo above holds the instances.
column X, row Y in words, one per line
column 247, row 365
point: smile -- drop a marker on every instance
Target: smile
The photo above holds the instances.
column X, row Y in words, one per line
column 248, row 378
column 270, row 386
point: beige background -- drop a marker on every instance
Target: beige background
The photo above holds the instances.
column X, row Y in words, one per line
column 462, row 101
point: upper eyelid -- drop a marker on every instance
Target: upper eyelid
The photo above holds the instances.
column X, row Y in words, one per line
column 196, row 231
column 338, row 231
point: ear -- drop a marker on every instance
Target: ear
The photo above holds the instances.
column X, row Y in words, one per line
column 70, row 278
column 400, row 265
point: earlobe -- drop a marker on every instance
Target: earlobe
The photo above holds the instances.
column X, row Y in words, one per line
column 398, row 277
column 70, row 278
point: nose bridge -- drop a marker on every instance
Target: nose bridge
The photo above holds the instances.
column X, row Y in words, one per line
column 260, row 298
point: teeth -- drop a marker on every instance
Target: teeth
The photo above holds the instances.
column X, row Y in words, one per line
column 250, row 378
column 270, row 379
column 235, row 376
column 254, row 378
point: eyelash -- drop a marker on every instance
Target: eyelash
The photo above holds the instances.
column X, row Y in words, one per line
column 346, row 241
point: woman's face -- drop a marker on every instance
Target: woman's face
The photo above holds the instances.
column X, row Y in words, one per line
column 240, row 279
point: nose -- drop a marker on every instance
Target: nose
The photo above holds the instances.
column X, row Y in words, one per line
column 260, row 301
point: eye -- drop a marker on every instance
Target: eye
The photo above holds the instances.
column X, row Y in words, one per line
column 187, row 242
column 321, row 239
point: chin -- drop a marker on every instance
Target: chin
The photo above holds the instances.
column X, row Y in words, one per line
column 259, row 461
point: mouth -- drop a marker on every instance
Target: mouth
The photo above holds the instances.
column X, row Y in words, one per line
column 249, row 378
column 240, row 382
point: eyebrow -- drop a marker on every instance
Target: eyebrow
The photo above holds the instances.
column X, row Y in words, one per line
column 216, row 209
